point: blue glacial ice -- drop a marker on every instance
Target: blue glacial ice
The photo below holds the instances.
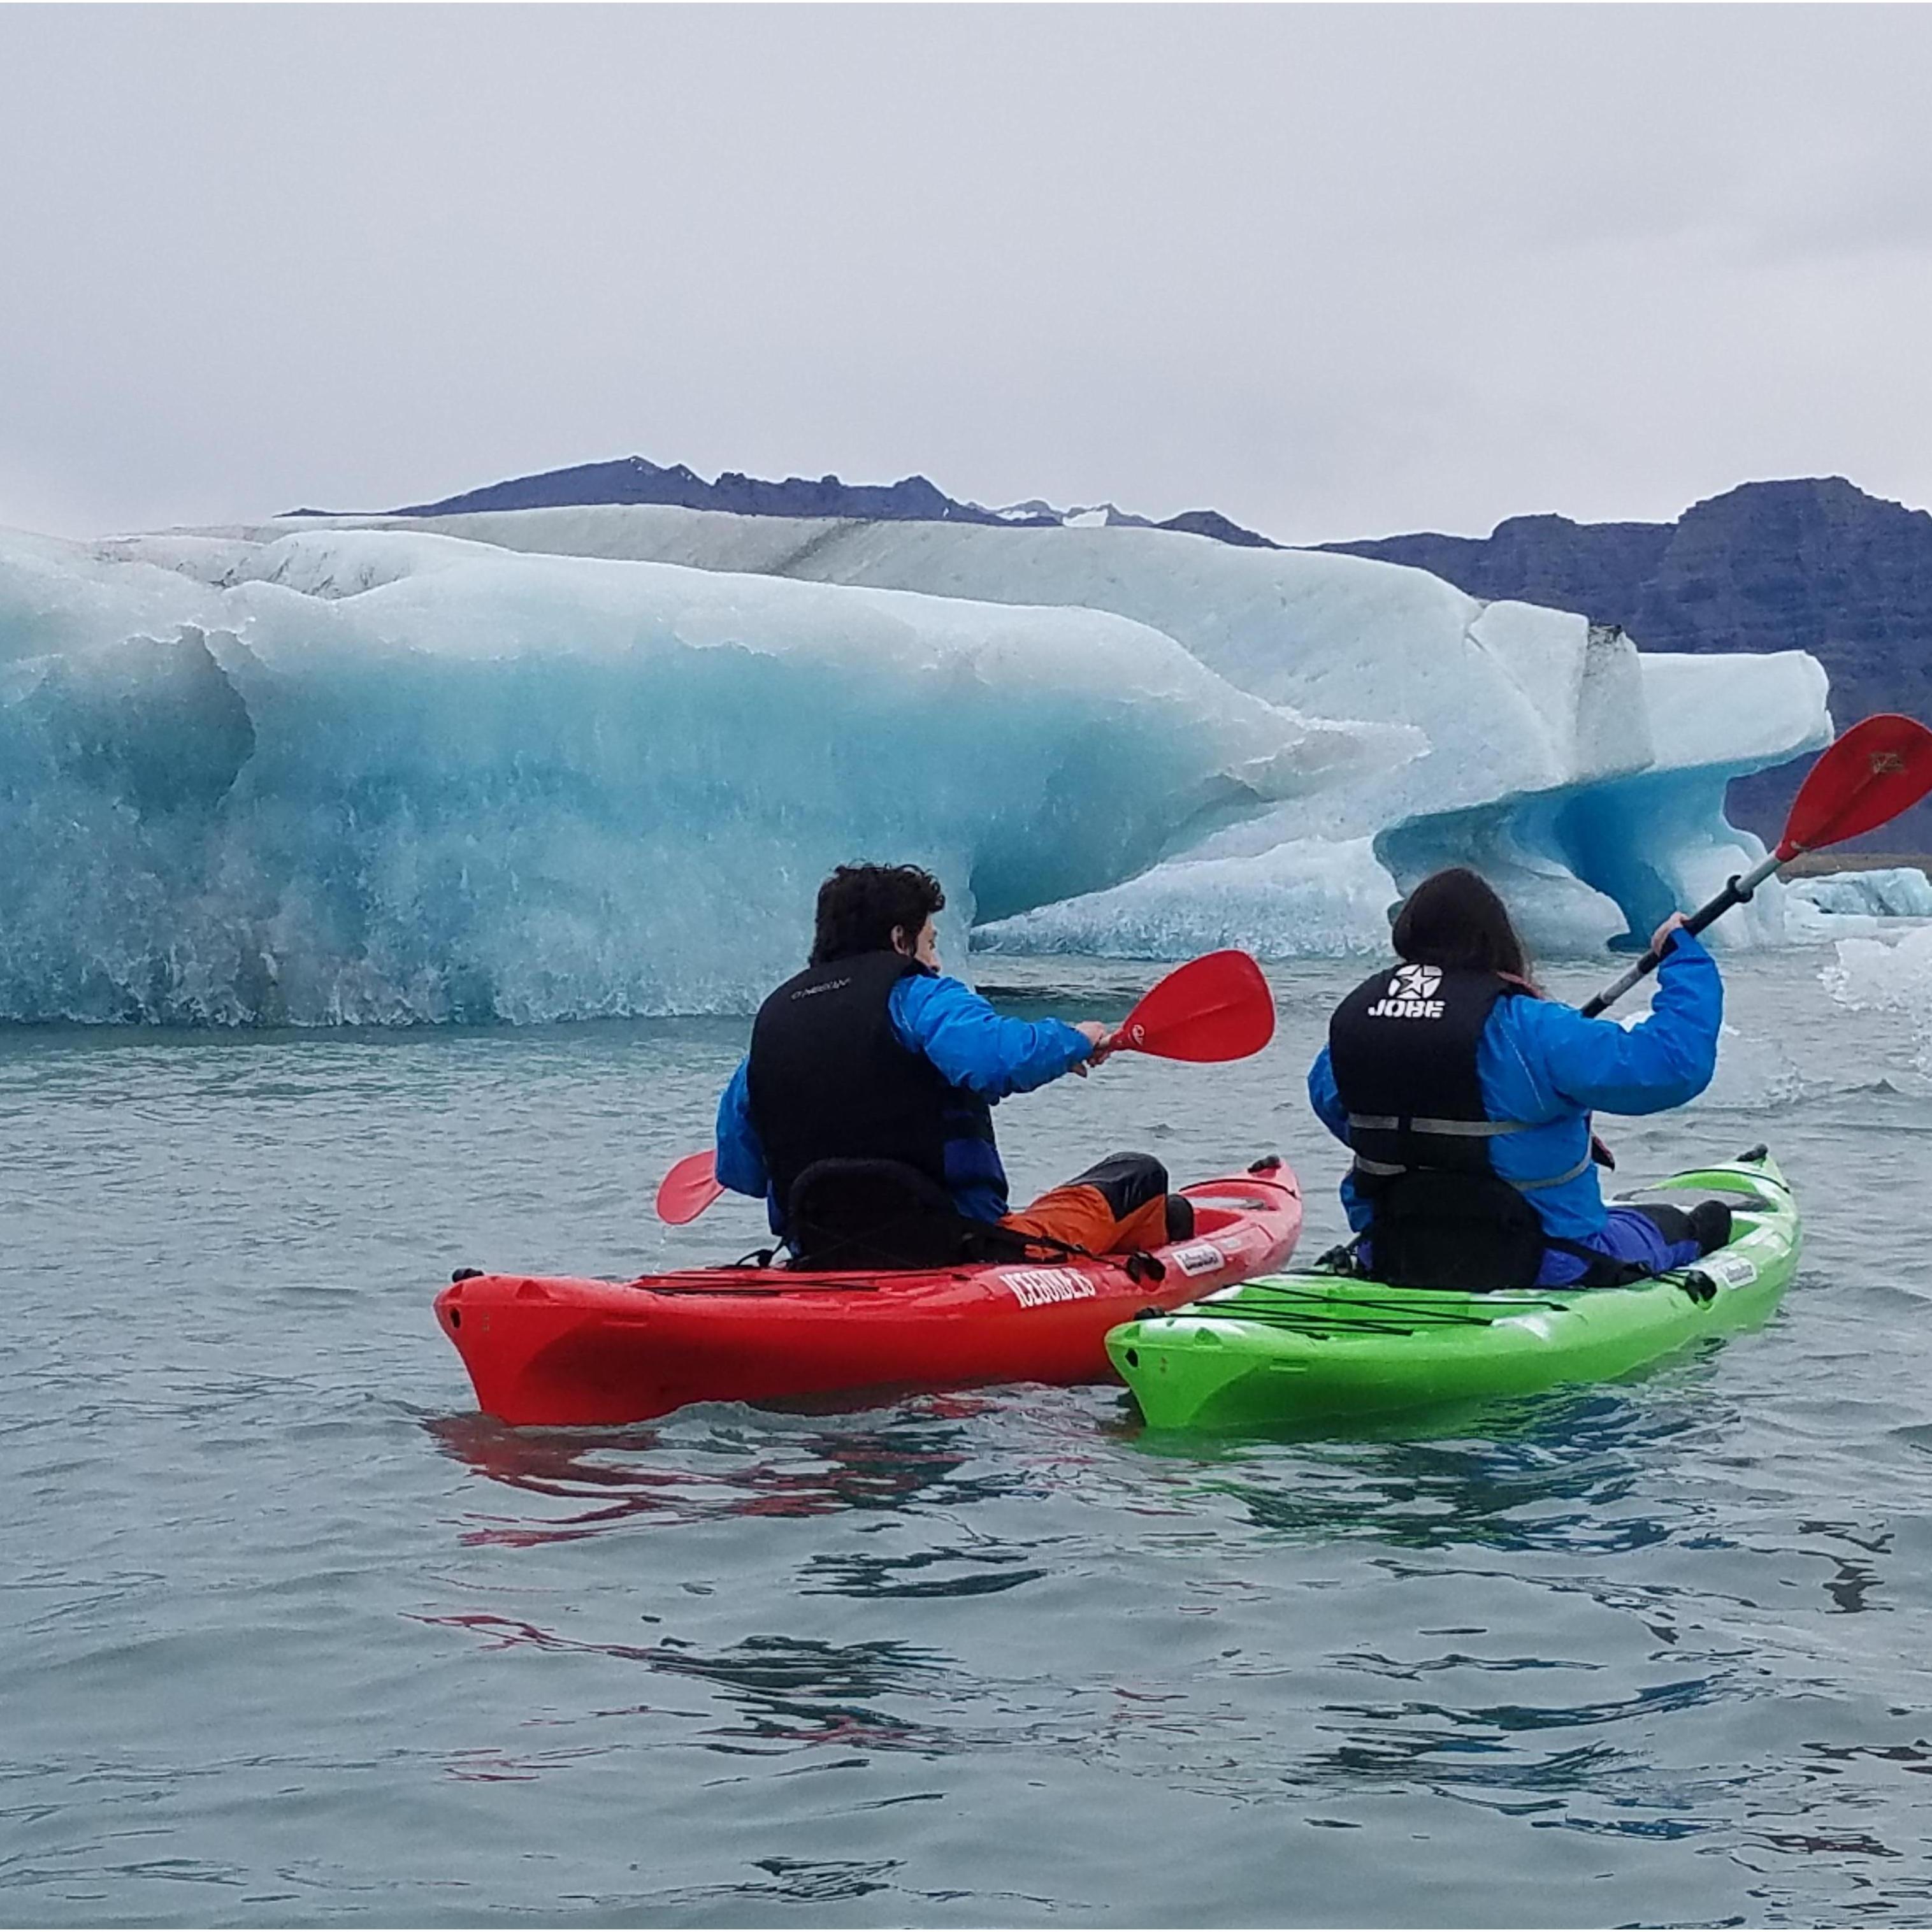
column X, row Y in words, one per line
column 328, row 775
column 1598, row 863
column 1586, row 778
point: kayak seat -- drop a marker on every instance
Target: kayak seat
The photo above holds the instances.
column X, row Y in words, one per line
column 882, row 1214
column 1207, row 1220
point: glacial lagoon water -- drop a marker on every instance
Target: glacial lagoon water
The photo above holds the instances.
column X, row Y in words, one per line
column 292, row 1636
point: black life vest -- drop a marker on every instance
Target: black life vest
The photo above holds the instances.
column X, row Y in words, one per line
column 828, row 1079
column 1402, row 1046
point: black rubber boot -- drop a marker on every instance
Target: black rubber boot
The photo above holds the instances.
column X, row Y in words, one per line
column 1711, row 1222
column 1127, row 1181
column 1179, row 1218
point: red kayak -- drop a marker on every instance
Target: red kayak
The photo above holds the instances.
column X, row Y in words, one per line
column 557, row 1351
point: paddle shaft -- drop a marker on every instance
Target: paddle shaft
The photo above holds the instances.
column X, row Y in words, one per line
column 1740, row 889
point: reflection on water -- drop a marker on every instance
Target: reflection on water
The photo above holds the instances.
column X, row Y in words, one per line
column 925, row 1573
column 1564, row 1476
column 787, row 1691
column 626, row 1473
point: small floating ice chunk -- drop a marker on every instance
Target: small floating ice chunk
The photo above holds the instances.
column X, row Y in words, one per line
column 1891, row 977
column 1884, row 892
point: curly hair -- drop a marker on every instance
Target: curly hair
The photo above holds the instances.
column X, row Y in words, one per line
column 860, row 905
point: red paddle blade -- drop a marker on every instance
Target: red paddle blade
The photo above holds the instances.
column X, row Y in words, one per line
column 1868, row 776
column 1216, row 1007
column 688, row 1189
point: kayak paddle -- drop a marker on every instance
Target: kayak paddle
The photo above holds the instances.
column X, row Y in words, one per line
column 1216, row 1007
column 1863, row 779
column 688, row 1189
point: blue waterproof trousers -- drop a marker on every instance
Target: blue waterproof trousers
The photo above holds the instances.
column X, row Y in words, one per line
column 1654, row 1238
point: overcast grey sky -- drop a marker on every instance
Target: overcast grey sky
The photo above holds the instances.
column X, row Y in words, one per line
column 1336, row 272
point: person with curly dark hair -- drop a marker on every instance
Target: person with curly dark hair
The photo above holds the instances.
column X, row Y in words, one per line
column 873, row 1056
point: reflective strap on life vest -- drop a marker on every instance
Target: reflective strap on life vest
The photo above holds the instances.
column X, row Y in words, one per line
column 1382, row 1170
column 1551, row 1180
column 1418, row 1124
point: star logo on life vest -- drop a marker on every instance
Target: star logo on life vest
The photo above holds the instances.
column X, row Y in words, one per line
column 1415, row 983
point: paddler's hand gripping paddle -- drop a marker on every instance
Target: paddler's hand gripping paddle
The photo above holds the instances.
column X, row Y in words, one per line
column 1216, row 1007
column 1865, row 778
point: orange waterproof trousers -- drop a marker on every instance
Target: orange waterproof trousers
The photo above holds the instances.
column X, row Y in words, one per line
column 1116, row 1206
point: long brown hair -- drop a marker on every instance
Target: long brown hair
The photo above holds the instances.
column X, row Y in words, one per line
column 1454, row 919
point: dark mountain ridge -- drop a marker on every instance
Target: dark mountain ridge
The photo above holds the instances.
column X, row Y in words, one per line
column 635, row 479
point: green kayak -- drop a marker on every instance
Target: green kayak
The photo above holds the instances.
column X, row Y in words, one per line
column 1316, row 1347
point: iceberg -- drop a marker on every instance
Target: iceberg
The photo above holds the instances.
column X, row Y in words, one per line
column 1584, row 866
column 1603, row 863
column 1827, row 909
column 1882, row 892
column 1584, row 778
column 337, row 775
column 1512, row 698
column 552, row 764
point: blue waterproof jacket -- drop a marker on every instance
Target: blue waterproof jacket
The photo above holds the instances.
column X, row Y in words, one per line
column 1540, row 1061
column 972, row 1045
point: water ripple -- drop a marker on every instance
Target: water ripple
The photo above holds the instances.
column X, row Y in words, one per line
column 295, row 1636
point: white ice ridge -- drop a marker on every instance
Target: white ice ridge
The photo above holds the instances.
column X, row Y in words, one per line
column 1585, row 779
column 352, row 776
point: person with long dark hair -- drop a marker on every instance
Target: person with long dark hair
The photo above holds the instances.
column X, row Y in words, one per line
column 863, row 1113
column 1466, row 1096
